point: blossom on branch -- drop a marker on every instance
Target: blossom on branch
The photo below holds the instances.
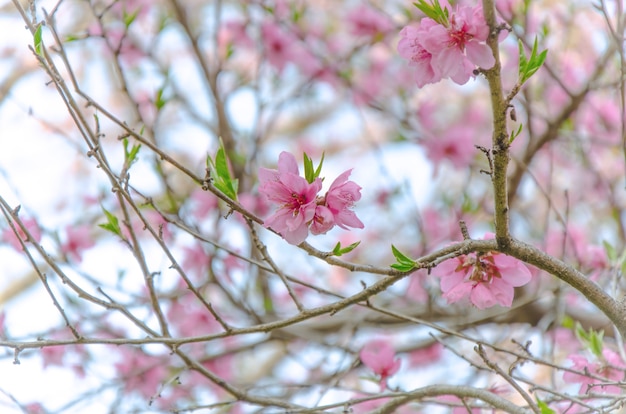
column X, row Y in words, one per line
column 296, row 197
column 340, row 198
column 452, row 46
column 488, row 279
column 301, row 208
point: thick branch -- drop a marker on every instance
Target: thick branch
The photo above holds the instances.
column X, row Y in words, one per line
column 458, row 390
column 500, row 144
column 609, row 306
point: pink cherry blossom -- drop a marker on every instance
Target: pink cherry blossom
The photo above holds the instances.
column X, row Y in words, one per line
column 340, row 198
column 379, row 356
column 453, row 50
column 301, row 209
column 609, row 366
column 323, row 220
column 77, row 240
column 410, row 48
column 296, row 197
column 487, row 279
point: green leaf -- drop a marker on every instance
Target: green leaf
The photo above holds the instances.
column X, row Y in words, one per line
column 610, row 251
column 434, row 11
column 403, row 262
column 220, row 173
column 318, row 170
column 112, row 223
column 338, row 250
column 591, row 340
column 515, row 134
column 159, row 102
column 543, row 407
column 37, row 42
column 311, row 173
column 129, row 18
column 130, row 156
column 529, row 66
column 568, row 322
column 308, row 168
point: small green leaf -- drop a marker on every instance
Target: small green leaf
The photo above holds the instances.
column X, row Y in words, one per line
column 308, row 168
column 112, row 223
column 220, row 173
column 37, row 40
column 568, row 322
column 338, row 250
column 403, row 262
column 130, row 156
column 610, row 251
column 129, row 18
column 311, row 173
column 159, row 102
column 434, row 11
column 318, row 170
column 528, row 66
column 543, row 407
column 515, row 134
column 592, row 340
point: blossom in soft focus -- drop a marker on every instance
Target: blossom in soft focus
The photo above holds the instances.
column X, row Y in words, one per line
column 77, row 240
column 301, row 208
column 488, row 279
column 610, row 366
column 296, row 197
column 365, row 21
column 280, row 47
column 9, row 236
column 451, row 49
column 456, row 145
column 379, row 356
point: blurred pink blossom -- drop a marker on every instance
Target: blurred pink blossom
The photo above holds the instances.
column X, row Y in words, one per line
column 379, row 356
column 280, row 47
column 609, row 366
column 9, row 236
column 427, row 355
column 195, row 260
column 365, row 21
column 77, row 240
column 202, row 203
column 455, row 145
column 233, row 34
column 140, row 372
column 487, row 279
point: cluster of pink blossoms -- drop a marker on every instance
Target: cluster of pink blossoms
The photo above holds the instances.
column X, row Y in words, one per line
column 301, row 209
column 487, row 278
column 449, row 48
